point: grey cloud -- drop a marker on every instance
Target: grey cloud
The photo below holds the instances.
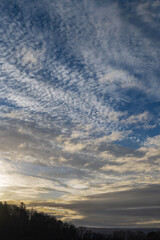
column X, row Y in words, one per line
column 14, row 133
column 120, row 151
column 84, row 160
column 124, row 208
column 63, row 173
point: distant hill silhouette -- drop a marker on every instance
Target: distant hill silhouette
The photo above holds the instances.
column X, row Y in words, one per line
column 19, row 223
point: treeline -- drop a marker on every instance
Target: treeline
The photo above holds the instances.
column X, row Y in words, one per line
column 19, row 223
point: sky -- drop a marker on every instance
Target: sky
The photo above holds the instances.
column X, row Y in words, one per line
column 80, row 109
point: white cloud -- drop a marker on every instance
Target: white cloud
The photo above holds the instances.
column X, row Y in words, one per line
column 152, row 141
column 114, row 136
column 146, row 11
column 22, row 145
column 69, row 147
column 140, row 118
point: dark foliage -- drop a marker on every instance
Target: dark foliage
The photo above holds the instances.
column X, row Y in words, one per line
column 18, row 223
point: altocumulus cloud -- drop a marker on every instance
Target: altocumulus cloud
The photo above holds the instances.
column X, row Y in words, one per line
column 79, row 109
